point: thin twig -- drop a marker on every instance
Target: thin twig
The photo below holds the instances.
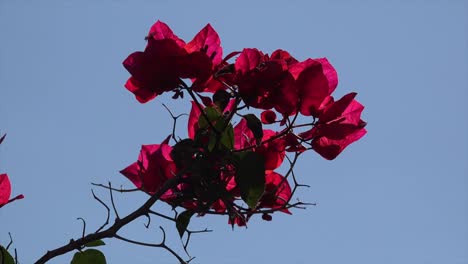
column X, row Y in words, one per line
column 118, row 224
column 112, row 201
column 174, row 123
column 189, row 233
column 163, row 216
column 160, row 245
column 107, row 208
column 11, row 241
column 115, row 189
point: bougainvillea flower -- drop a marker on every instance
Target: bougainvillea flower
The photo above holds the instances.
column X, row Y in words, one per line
column 292, row 143
column 268, row 117
column 166, row 59
column 265, row 83
column 339, row 125
column 284, row 57
column 5, row 191
column 315, row 79
column 273, row 151
column 153, row 168
column 277, row 192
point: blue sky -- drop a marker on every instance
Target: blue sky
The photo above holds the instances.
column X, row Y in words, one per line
column 399, row 195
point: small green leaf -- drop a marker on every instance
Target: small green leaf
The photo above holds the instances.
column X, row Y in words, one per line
column 89, row 256
column 227, row 138
column 255, row 125
column 212, row 115
column 96, row 243
column 182, row 221
column 250, row 177
column 5, row 257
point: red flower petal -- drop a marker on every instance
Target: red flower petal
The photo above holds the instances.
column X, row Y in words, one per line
column 153, row 168
column 330, row 149
column 313, row 87
column 277, row 192
column 5, row 189
column 273, row 151
column 248, row 60
column 160, row 30
column 287, row 98
column 283, row 56
column 208, row 42
column 243, row 136
column 193, row 120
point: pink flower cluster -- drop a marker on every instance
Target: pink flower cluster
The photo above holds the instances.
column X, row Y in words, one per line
column 221, row 163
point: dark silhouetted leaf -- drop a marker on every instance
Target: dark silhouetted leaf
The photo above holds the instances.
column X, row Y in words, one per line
column 183, row 151
column 96, row 243
column 221, row 99
column 89, row 256
column 250, row 177
column 182, row 221
column 255, row 125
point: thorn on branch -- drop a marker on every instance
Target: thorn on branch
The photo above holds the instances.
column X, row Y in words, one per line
column 164, row 235
column 149, row 220
column 84, row 226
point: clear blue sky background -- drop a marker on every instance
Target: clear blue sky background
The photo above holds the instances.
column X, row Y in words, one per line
column 400, row 195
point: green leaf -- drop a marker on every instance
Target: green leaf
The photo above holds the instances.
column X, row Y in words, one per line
column 212, row 115
column 5, row 257
column 182, row 221
column 255, row 125
column 250, row 177
column 96, row 243
column 89, row 256
column 227, row 138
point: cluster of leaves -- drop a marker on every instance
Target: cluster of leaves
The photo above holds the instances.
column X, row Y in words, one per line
column 224, row 167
